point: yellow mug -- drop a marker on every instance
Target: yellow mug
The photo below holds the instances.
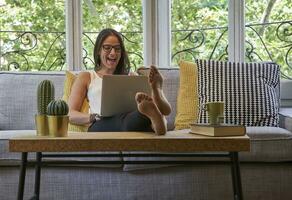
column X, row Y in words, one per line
column 215, row 112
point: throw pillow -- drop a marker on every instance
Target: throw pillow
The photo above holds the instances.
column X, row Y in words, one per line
column 187, row 100
column 249, row 90
column 69, row 80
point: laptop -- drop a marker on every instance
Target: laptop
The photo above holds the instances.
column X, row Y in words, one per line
column 118, row 93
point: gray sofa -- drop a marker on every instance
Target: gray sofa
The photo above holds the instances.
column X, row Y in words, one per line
column 266, row 171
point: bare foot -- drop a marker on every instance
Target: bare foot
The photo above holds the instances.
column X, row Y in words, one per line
column 147, row 107
column 156, row 80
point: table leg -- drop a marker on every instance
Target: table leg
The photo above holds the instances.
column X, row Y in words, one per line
column 37, row 176
column 236, row 180
column 21, row 181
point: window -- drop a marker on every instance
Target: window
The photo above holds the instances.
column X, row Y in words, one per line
column 268, row 33
column 32, row 35
column 199, row 30
column 161, row 32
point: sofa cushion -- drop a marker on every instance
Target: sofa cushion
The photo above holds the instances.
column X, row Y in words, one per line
column 170, row 88
column 187, row 100
column 268, row 144
column 249, row 90
column 286, row 118
column 69, row 80
column 18, row 97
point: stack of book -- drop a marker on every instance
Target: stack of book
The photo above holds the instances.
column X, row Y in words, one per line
column 217, row 130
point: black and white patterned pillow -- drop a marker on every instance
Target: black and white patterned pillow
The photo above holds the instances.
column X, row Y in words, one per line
column 250, row 91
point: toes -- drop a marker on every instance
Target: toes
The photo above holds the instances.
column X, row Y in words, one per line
column 148, row 98
column 151, row 74
column 153, row 68
column 140, row 96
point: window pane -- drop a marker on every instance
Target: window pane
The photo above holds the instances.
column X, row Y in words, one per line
column 32, row 35
column 268, row 32
column 124, row 16
column 199, row 30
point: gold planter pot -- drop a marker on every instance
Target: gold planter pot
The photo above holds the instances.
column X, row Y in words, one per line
column 41, row 124
column 58, row 125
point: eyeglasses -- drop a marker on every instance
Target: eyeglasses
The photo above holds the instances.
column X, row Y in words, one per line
column 107, row 48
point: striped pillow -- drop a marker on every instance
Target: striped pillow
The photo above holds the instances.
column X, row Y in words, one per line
column 249, row 90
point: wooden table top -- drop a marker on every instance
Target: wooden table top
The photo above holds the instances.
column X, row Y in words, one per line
column 173, row 141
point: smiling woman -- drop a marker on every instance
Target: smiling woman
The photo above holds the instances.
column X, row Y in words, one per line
column 111, row 58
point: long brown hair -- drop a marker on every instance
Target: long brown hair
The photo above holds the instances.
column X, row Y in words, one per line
column 123, row 65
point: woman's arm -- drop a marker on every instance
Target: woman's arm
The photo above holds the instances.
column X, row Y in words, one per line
column 76, row 98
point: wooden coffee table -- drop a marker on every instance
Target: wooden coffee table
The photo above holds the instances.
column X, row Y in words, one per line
column 175, row 143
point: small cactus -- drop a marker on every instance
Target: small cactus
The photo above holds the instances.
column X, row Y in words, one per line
column 57, row 107
column 45, row 94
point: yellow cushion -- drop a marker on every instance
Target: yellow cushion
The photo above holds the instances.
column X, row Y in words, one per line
column 70, row 78
column 187, row 100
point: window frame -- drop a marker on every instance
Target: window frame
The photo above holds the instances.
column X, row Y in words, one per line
column 156, row 32
column 74, row 31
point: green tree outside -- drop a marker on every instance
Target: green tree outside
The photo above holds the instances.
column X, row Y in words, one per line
column 199, row 30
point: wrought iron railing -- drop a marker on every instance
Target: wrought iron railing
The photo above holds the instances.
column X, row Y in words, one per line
column 277, row 50
column 276, row 46
column 18, row 48
column 29, row 51
column 196, row 44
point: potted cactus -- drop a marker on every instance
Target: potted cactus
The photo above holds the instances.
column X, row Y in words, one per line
column 45, row 94
column 57, row 113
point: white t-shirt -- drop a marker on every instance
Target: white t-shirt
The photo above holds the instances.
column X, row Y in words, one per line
column 94, row 92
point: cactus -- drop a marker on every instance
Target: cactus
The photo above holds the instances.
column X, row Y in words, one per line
column 57, row 107
column 45, row 93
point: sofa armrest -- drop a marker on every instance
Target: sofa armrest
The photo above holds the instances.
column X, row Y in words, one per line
column 286, row 118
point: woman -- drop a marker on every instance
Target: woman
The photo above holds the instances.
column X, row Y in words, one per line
column 110, row 58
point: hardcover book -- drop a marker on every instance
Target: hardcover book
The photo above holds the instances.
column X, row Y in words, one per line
column 218, row 130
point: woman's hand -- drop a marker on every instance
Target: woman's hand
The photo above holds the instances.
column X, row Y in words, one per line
column 133, row 74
